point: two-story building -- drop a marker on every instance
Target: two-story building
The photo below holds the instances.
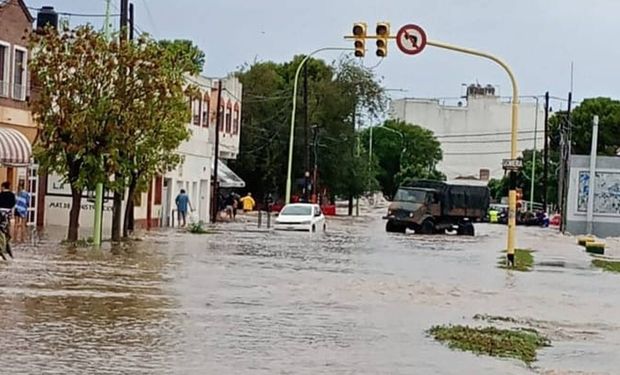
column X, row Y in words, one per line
column 195, row 174
column 17, row 128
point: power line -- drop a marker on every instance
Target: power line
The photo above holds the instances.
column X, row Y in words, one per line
column 483, row 134
column 478, row 153
column 71, row 14
column 494, row 141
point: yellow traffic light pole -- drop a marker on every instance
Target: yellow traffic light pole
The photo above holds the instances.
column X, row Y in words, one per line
column 512, row 195
column 383, row 33
column 292, row 134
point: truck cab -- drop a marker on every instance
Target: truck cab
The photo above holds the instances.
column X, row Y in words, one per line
column 410, row 207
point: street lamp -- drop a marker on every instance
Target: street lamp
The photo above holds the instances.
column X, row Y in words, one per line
column 292, row 134
column 534, row 156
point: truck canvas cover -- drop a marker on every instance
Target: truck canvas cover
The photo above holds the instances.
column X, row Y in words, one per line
column 457, row 197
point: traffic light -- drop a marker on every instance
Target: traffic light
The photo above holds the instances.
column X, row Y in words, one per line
column 359, row 33
column 383, row 33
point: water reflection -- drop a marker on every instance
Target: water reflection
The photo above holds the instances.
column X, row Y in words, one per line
column 354, row 300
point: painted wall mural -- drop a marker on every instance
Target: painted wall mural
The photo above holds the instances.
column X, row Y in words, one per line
column 606, row 192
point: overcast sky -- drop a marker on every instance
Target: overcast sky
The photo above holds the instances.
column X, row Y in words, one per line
column 538, row 38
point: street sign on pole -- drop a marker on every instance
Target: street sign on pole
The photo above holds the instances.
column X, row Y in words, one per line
column 411, row 39
column 512, row 164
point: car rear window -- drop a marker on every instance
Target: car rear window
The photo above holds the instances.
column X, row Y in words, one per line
column 297, row 210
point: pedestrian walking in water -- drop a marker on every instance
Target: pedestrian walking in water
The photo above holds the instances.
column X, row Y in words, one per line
column 183, row 203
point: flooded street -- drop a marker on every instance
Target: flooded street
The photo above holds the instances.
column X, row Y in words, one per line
column 355, row 300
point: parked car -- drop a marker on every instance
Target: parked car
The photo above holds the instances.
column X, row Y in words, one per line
column 301, row 217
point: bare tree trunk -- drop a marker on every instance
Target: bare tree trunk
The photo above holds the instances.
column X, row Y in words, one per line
column 116, row 213
column 74, row 214
column 129, row 207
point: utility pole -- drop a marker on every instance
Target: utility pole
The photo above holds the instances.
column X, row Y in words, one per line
column 98, row 219
column 306, row 136
column 568, row 151
column 592, row 179
column 533, row 175
column 131, row 24
column 546, row 153
column 564, row 156
column 124, row 19
column 218, row 124
column 107, row 26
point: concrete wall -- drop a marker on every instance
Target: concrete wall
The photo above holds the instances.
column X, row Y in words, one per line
column 473, row 136
column 606, row 221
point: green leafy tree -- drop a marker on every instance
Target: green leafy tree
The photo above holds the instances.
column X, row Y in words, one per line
column 188, row 57
column 153, row 120
column 75, row 107
column 332, row 98
column 404, row 152
column 106, row 109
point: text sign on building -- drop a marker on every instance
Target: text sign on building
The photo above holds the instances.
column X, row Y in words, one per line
column 512, row 164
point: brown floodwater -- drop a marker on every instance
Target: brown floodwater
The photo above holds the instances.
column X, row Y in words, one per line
column 352, row 301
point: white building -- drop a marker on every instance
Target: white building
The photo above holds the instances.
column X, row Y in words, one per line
column 156, row 207
column 195, row 174
column 474, row 136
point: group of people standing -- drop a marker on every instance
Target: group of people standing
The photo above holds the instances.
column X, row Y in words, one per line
column 15, row 205
column 226, row 205
column 229, row 204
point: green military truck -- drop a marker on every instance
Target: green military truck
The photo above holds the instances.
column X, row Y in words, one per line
column 434, row 207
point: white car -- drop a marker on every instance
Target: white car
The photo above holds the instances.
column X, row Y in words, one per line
column 301, row 217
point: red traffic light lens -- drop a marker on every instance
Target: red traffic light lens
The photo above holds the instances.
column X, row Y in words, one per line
column 382, row 30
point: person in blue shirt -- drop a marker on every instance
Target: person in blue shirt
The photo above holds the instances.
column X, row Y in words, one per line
column 183, row 202
column 21, row 212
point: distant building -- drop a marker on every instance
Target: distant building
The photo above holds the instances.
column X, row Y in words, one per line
column 474, row 136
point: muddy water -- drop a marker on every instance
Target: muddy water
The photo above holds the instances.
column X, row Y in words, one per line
column 353, row 301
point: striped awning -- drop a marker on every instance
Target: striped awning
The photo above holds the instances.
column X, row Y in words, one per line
column 15, row 149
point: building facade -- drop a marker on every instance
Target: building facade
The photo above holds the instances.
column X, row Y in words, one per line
column 18, row 131
column 475, row 136
column 195, row 174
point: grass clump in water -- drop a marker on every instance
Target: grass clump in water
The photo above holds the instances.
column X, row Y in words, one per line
column 607, row 265
column 198, row 228
column 524, row 260
column 495, row 342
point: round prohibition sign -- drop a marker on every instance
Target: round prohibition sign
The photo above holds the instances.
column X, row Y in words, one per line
column 411, row 39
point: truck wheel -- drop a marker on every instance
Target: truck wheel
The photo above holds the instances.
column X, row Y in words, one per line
column 392, row 227
column 427, row 227
column 466, row 229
